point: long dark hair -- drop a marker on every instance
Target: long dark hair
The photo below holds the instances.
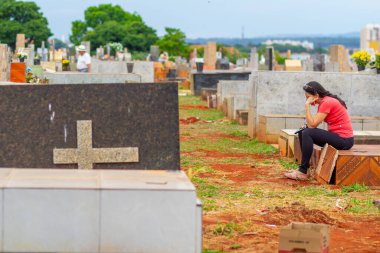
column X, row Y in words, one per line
column 315, row 88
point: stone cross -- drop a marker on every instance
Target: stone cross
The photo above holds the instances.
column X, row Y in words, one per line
column 85, row 155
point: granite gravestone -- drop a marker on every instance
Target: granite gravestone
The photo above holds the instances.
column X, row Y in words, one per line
column 86, row 126
column 211, row 79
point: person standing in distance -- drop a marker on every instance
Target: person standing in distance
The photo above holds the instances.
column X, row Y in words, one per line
column 84, row 60
column 333, row 111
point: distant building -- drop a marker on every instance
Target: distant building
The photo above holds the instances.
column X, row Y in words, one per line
column 306, row 44
column 370, row 37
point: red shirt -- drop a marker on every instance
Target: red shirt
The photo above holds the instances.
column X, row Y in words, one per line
column 337, row 117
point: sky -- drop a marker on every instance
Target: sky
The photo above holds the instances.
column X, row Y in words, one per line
column 226, row 18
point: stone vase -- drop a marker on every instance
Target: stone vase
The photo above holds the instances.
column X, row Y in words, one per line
column 378, row 71
column 21, row 59
column 130, row 67
column 361, row 68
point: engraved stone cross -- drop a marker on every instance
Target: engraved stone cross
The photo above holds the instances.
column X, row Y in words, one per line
column 85, row 155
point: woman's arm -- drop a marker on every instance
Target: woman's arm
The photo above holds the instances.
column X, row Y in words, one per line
column 313, row 122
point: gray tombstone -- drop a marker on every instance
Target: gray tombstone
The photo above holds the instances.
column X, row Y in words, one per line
column 30, row 60
column 254, row 60
column 308, row 65
column 44, row 52
column 154, row 51
column 269, row 56
column 100, row 52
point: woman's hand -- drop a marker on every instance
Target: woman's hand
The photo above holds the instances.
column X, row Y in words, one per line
column 310, row 100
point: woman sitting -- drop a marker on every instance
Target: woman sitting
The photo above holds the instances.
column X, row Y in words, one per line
column 333, row 111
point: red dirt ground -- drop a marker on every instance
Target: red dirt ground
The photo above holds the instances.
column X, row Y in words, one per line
column 189, row 120
column 200, row 107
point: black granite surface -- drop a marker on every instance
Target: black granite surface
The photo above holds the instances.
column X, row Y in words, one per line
column 210, row 80
column 123, row 115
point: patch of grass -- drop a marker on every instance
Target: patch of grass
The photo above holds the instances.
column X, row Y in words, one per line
column 208, row 115
column 314, row 191
column 198, row 180
column 288, row 165
column 191, row 100
column 226, row 229
column 206, row 190
column 209, row 205
column 226, row 145
column 355, row 188
column 190, row 161
column 235, row 246
column 236, row 195
column 362, row 206
column 266, row 162
column 212, row 251
column 239, row 133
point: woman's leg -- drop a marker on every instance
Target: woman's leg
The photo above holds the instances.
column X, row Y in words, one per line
column 319, row 137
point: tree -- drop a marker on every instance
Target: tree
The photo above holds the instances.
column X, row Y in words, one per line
column 78, row 31
column 139, row 37
column 174, row 42
column 22, row 17
column 108, row 23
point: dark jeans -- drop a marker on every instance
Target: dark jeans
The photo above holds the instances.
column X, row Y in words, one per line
column 320, row 137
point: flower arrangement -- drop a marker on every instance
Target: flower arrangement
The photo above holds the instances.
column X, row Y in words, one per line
column 378, row 60
column 22, row 55
column 361, row 58
column 65, row 62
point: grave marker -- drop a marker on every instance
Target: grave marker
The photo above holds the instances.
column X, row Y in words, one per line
column 210, row 55
column 4, row 62
column 20, row 41
column 40, row 126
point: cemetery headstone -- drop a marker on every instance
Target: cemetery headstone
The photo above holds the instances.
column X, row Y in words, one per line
column 269, row 58
column 210, row 55
column 339, row 55
column 18, row 72
column 154, row 53
column 70, row 126
column 44, row 52
column 100, row 52
column 254, row 60
column 30, row 59
column 20, row 41
column 4, row 62
column 308, row 65
column 293, row 65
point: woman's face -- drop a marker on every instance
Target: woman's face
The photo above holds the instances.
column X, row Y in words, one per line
column 311, row 96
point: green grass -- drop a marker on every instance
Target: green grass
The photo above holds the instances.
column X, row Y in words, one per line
column 226, row 229
column 362, row 206
column 225, row 145
column 288, row 165
column 191, row 100
column 316, row 191
column 189, row 161
column 355, row 188
column 235, row 246
column 208, row 115
column 239, row 133
column 212, row 251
